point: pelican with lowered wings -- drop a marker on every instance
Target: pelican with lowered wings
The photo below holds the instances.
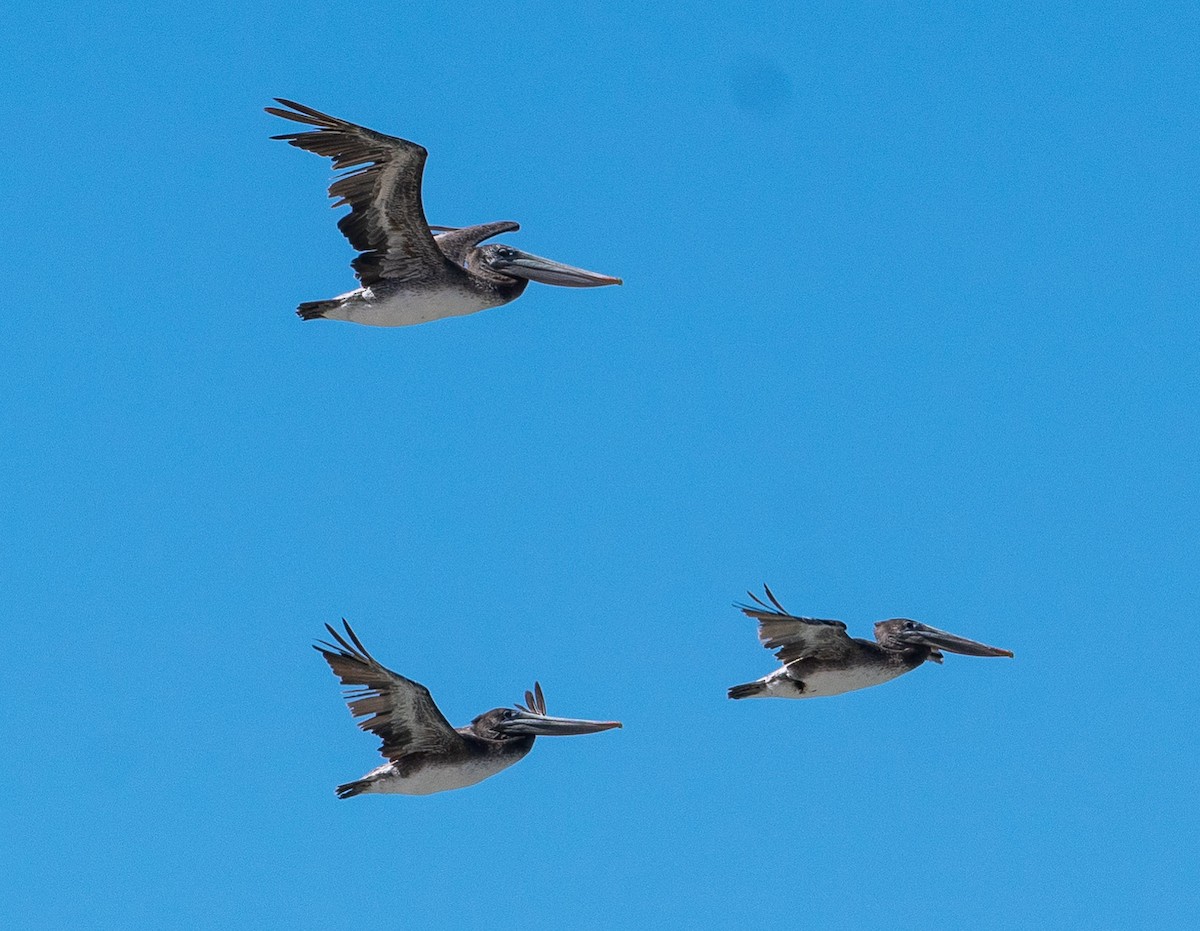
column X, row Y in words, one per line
column 407, row 273
column 425, row 754
column 819, row 658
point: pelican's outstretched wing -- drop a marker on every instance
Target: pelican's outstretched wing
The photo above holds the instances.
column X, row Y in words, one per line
column 797, row 638
column 386, row 222
column 402, row 711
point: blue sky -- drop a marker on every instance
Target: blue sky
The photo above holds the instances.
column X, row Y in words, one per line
column 909, row 328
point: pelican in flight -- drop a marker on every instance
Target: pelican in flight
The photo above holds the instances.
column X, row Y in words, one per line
column 408, row 274
column 425, row 754
column 820, row 659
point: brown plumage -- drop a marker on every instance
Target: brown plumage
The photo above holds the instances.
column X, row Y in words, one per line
column 820, row 658
column 407, row 277
column 386, row 222
column 425, row 753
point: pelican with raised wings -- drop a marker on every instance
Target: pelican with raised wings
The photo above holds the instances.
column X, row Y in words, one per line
column 819, row 658
column 425, row 754
column 408, row 274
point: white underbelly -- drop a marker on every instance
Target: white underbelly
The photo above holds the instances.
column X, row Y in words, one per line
column 820, row 683
column 835, row 682
column 406, row 308
column 430, row 779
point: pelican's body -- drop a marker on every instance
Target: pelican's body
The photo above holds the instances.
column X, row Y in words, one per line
column 820, row 659
column 425, row 754
column 401, row 304
column 438, row 775
column 818, row 682
column 408, row 274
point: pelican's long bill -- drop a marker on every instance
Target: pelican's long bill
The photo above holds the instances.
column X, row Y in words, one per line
column 941, row 640
column 541, row 725
column 520, row 264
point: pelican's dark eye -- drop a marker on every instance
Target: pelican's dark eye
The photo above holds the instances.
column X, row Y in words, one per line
column 909, row 625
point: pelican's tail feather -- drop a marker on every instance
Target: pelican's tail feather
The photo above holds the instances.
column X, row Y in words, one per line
column 748, row 689
column 313, row 310
column 351, row 789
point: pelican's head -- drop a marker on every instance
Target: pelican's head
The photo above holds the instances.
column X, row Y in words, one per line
column 505, row 260
column 531, row 720
column 900, row 634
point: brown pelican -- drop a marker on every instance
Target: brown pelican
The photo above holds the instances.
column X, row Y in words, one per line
column 425, row 754
column 820, row 659
column 408, row 274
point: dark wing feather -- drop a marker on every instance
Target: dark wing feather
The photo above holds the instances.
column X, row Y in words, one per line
column 535, row 701
column 386, row 222
column 797, row 638
column 402, row 711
